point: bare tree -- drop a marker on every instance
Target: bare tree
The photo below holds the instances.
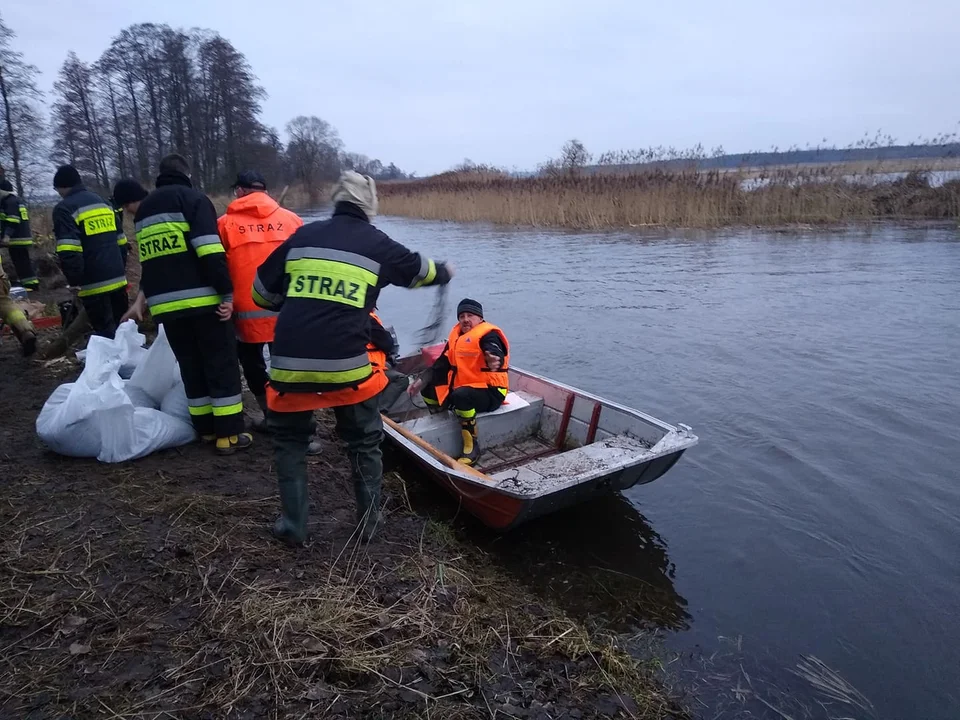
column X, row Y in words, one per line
column 78, row 138
column 22, row 135
column 313, row 152
column 574, row 157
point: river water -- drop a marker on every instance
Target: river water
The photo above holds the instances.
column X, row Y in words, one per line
column 820, row 513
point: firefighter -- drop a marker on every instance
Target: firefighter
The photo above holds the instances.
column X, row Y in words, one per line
column 470, row 374
column 85, row 227
column 14, row 317
column 324, row 282
column 15, row 231
column 253, row 226
column 186, row 285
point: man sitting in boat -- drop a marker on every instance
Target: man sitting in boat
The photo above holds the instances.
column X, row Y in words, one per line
column 470, row 375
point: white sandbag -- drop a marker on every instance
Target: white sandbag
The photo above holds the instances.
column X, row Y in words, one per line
column 65, row 432
column 175, row 403
column 157, row 373
column 145, row 432
column 129, row 343
column 139, row 398
column 96, row 417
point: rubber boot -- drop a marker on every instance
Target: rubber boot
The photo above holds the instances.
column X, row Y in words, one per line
column 261, row 424
column 229, row 445
column 471, row 447
column 288, row 445
column 367, row 490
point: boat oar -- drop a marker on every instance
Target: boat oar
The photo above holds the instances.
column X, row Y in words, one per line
column 438, row 454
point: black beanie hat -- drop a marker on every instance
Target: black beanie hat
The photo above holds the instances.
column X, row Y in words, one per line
column 470, row 306
column 66, row 177
column 6, row 185
column 128, row 190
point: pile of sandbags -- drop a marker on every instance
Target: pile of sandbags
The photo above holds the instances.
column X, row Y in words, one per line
column 107, row 416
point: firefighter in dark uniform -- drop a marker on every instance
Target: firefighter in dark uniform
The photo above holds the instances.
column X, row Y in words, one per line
column 186, row 284
column 15, row 231
column 324, row 281
column 85, row 227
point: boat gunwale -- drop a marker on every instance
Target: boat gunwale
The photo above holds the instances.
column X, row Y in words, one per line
column 680, row 439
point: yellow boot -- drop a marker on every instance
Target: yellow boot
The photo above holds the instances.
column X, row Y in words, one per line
column 471, row 447
column 229, row 445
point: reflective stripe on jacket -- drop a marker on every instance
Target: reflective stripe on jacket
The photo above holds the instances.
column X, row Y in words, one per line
column 184, row 269
column 325, row 281
column 15, row 221
column 86, row 231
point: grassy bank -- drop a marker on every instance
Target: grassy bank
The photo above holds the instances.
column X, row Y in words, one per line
column 822, row 194
column 152, row 589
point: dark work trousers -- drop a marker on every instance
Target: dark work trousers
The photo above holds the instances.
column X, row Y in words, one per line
column 105, row 310
column 361, row 428
column 254, row 367
column 466, row 402
column 206, row 349
column 397, row 382
column 23, row 263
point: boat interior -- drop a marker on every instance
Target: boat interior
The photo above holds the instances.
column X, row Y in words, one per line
column 545, row 436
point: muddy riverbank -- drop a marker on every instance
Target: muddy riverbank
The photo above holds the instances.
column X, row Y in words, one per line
column 152, row 588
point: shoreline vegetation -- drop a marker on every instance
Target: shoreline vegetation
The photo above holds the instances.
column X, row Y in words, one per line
column 684, row 195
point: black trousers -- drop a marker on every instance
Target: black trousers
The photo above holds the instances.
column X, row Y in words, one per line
column 23, row 263
column 105, row 311
column 253, row 365
column 206, row 349
column 467, row 401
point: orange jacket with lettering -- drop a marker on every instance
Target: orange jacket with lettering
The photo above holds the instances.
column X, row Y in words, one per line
column 468, row 366
column 252, row 228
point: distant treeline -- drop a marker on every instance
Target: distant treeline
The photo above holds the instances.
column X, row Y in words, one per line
column 798, row 157
column 155, row 90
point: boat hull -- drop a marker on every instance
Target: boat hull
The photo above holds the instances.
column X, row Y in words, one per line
column 502, row 512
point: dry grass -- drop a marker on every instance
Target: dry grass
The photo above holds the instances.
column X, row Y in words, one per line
column 822, row 194
column 153, row 599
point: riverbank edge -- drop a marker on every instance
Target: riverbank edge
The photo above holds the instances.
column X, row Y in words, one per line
column 853, row 226
column 152, row 587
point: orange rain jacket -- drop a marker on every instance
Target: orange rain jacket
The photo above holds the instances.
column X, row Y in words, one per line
column 252, row 228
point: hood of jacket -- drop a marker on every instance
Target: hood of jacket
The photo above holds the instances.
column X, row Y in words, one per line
column 172, row 178
column 257, row 204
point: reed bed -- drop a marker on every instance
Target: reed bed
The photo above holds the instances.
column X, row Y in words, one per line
column 661, row 197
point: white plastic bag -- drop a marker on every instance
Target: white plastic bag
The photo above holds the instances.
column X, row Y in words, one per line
column 129, row 343
column 157, row 372
column 96, row 417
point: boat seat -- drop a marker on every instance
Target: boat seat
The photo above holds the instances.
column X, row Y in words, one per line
column 518, row 417
column 513, row 401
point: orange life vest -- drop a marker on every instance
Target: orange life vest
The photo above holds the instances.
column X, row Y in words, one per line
column 252, row 228
column 468, row 367
column 372, row 386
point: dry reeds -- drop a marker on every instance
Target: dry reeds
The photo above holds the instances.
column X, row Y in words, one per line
column 672, row 197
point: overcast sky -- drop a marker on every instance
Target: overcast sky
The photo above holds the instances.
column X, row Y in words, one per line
column 426, row 84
